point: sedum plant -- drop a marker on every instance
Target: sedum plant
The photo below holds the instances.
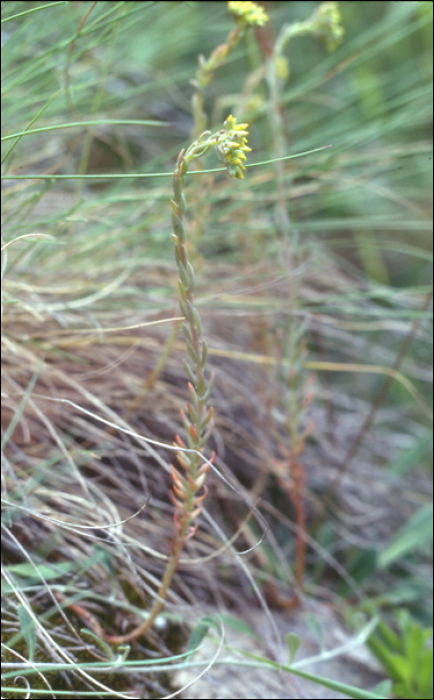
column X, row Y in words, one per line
column 325, row 25
column 245, row 15
column 189, row 490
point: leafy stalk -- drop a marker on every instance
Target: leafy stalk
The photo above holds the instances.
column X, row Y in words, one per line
column 189, row 490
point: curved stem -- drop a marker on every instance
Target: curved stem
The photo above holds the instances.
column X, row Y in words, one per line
column 189, row 477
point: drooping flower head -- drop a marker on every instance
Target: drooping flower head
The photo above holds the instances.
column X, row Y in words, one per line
column 248, row 14
column 327, row 24
column 232, row 146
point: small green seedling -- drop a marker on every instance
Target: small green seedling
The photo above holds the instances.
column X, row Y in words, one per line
column 406, row 655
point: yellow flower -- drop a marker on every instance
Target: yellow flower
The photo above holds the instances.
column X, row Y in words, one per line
column 282, row 67
column 232, row 146
column 327, row 24
column 248, row 13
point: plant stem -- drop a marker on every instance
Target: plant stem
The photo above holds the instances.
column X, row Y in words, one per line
column 189, row 490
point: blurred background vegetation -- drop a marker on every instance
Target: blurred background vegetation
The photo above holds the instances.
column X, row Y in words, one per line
column 319, row 329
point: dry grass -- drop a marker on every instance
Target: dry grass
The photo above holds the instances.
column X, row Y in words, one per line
column 92, row 373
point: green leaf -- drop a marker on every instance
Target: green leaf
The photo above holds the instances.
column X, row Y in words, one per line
column 364, row 564
column 197, row 322
column 183, row 275
column 384, row 656
column 293, row 644
column 389, row 637
column 189, row 372
column 182, row 307
column 103, row 644
column 237, row 624
column 31, row 574
column 177, row 189
column 191, row 313
column 205, row 395
column 316, row 627
column 399, row 668
column 183, row 292
column 178, row 227
column 414, row 647
column 383, row 688
column 406, row 459
column 187, row 333
column 425, row 676
column 28, row 629
column 191, row 351
column 405, row 657
column 191, row 276
column 199, row 633
column 411, row 537
column 204, row 355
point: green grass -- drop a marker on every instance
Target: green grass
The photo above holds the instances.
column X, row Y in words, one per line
column 313, row 285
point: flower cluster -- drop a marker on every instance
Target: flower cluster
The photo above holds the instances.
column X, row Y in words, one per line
column 232, row 146
column 327, row 25
column 248, row 13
